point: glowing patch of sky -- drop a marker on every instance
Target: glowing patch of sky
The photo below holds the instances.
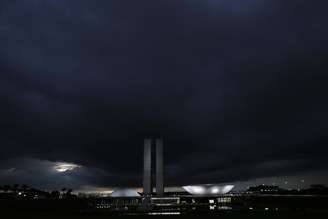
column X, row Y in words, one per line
column 64, row 167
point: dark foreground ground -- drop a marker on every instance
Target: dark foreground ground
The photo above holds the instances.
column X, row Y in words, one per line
column 223, row 214
column 242, row 207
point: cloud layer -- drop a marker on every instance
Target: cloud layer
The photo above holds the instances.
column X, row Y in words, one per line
column 237, row 89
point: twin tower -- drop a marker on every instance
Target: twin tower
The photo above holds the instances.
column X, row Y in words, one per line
column 150, row 163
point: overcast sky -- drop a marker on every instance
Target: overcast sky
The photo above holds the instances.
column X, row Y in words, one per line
column 236, row 88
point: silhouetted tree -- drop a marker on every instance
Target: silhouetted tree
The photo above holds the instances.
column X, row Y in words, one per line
column 15, row 187
column 25, row 187
column 6, row 188
column 55, row 194
column 69, row 191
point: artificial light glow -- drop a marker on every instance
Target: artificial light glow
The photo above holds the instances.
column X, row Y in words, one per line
column 125, row 193
column 194, row 189
column 64, row 167
column 208, row 189
column 215, row 190
column 164, row 213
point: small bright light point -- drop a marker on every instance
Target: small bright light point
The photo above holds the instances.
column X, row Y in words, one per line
column 64, row 167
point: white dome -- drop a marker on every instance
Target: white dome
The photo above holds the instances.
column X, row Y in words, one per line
column 125, row 193
column 208, row 189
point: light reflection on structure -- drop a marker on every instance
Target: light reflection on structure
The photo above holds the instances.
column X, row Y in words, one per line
column 208, row 189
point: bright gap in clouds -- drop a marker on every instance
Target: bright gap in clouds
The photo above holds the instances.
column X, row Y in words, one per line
column 64, row 167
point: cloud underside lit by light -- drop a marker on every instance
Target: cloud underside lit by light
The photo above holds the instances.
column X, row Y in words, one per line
column 64, row 167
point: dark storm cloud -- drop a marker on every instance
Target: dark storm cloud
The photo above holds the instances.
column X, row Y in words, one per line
column 44, row 174
column 232, row 86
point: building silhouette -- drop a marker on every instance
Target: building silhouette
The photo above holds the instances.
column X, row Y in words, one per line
column 150, row 166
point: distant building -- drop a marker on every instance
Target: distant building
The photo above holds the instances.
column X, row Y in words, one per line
column 265, row 189
column 125, row 193
column 150, row 167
